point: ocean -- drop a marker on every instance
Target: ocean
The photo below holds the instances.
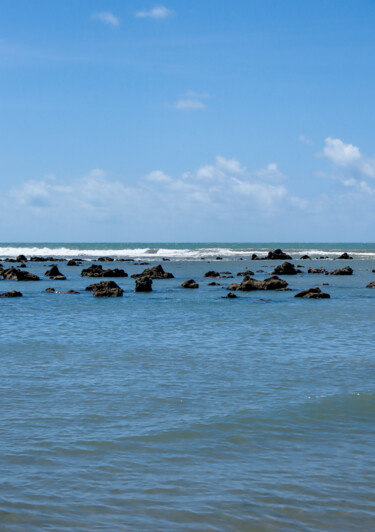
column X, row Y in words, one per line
column 182, row 410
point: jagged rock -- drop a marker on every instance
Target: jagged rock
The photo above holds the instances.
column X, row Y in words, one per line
column 312, row 293
column 243, row 274
column 229, row 296
column 105, row 289
column 106, row 259
column 213, row 284
column 317, row 270
column 248, row 284
column 371, row 285
column 344, row 256
column 305, row 257
column 12, row 293
column 286, row 268
column 212, row 273
column 14, row 274
column 190, row 284
column 278, row 254
column 21, row 258
column 96, row 270
column 342, row 271
column 50, row 290
column 156, row 272
column 143, row 284
column 53, row 272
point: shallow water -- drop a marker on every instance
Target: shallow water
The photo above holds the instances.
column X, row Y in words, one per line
column 179, row 410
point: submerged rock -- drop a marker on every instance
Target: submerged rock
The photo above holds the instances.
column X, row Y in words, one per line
column 312, row 293
column 371, row 285
column 156, row 272
column 190, row 284
column 286, row 268
column 50, row 290
column 143, row 284
column 244, row 274
column 317, row 270
column 12, row 293
column 14, row 274
column 72, row 262
column 213, row 284
column 105, row 289
column 342, row 271
column 229, row 296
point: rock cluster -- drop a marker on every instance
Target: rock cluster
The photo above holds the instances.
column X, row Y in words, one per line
column 312, row 293
column 156, row 272
column 286, row 268
column 14, row 274
column 342, row 271
column 96, row 270
column 105, row 289
column 248, row 284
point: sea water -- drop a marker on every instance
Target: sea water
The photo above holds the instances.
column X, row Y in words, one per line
column 181, row 410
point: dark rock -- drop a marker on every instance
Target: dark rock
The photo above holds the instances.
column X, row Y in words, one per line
column 50, row 290
column 53, row 272
column 156, row 272
column 106, row 259
column 254, row 256
column 371, row 285
column 312, row 293
column 212, row 273
column 12, row 293
column 225, row 273
column 286, row 268
column 21, row 258
column 72, row 262
column 278, row 254
column 342, row 271
column 213, row 284
column 229, row 296
column 219, row 258
column 105, row 289
column 305, row 257
column 190, row 284
column 317, row 270
column 344, row 256
column 14, row 274
column 143, row 284
column 72, row 292
column 165, row 259
column 96, row 270
column 22, row 265
column 248, row 284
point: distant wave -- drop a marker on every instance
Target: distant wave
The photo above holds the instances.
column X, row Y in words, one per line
column 171, row 253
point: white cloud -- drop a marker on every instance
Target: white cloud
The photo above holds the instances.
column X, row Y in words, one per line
column 191, row 101
column 305, row 140
column 107, row 17
column 158, row 12
column 349, row 157
column 270, row 173
column 157, row 176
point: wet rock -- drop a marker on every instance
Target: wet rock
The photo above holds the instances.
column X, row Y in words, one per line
column 229, row 296
column 278, row 254
column 243, row 274
column 317, row 270
column 50, row 290
column 254, row 256
column 72, row 292
column 213, row 284
column 96, row 270
column 21, row 258
column 14, row 274
column 286, row 268
column 53, row 272
column 305, row 257
column 105, row 259
column 143, row 284
column 219, row 258
column 190, row 284
column 12, row 293
column 72, row 262
column 344, row 256
column 156, row 272
column 371, row 285
column 312, row 293
column 212, row 273
column 22, row 265
column 248, row 284
column 105, row 289
column 165, row 259
column 342, row 271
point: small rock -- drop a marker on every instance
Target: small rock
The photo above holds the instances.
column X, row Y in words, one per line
column 312, row 293
column 344, row 256
column 286, row 268
column 12, row 293
column 371, row 285
column 143, row 284
column 212, row 273
column 229, row 296
column 342, row 271
column 305, row 257
column 50, row 290
column 190, row 284
column 317, row 270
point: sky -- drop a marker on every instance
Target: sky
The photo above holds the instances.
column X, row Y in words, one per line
column 190, row 121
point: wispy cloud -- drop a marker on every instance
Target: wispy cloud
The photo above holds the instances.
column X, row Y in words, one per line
column 348, row 157
column 305, row 140
column 191, row 101
column 107, row 18
column 158, row 12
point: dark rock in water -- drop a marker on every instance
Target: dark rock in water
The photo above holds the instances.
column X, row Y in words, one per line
column 72, row 292
column 72, row 262
column 219, row 258
column 21, row 258
column 53, row 272
column 12, row 293
column 14, row 274
column 190, row 284
column 225, row 273
column 58, row 278
column 305, row 257
column 106, row 259
column 46, row 259
column 260, row 271
column 371, row 285
column 254, row 256
column 312, row 293
column 22, row 265
column 243, row 274
column 141, row 263
column 229, row 296
column 248, row 284
column 344, row 256
column 317, row 270
column 96, row 270
column 156, row 272
column 286, row 268
column 213, row 284
column 143, row 284
column 10, row 260
column 165, row 259
column 212, row 273
column 324, row 257
column 342, row 271
column 278, row 254
column 105, row 289
column 50, row 290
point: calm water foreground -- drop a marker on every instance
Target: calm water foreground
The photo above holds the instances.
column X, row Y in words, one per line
column 179, row 410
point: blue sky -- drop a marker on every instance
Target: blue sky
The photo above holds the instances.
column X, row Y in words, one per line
column 187, row 121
